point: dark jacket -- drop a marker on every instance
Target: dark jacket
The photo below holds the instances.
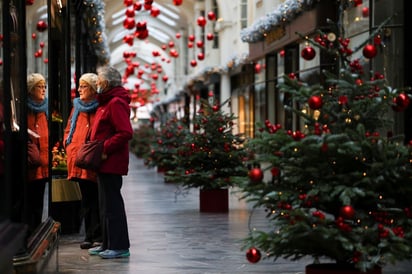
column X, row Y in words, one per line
column 112, row 124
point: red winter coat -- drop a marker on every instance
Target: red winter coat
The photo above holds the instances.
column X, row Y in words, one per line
column 84, row 121
column 38, row 123
column 112, row 124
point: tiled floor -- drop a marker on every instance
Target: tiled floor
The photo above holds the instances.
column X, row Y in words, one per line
column 169, row 235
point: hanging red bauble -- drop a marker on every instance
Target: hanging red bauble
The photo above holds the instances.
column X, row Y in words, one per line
column 129, row 23
column 155, row 76
column 357, row 2
column 33, row 36
column 41, row 26
column 128, row 39
column 174, row 53
column 365, row 11
column 177, row 2
column 46, row 60
column 171, row 44
column 201, row 21
column 258, row 68
column 29, row 2
column 209, row 36
column 401, row 102
column 137, row 6
column 130, row 12
column 140, row 26
column 128, row 2
column 178, row 35
column 142, row 34
column 369, row 51
column 256, row 175
column 199, row 44
column 200, row 56
column 193, row 63
column 165, row 78
column 191, row 38
column 190, row 44
column 347, row 212
column 282, row 53
column 41, row 44
column 253, row 255
column 211, row 15
column 308, row 53
column 315, row 102
column 154, row 12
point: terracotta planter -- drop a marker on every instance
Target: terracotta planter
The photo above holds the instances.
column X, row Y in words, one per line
column 338, row 269
column 214, row 200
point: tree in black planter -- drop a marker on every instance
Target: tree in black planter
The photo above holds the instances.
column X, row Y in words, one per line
column 341, row 187
column 211, row 154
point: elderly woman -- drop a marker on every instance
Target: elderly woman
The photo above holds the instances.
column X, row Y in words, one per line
column 37, row 123
column 78, row 126
column 112, row 124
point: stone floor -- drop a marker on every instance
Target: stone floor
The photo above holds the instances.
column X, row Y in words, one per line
column 168, row 235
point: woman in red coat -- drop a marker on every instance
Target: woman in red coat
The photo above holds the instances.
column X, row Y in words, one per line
column 80, row 120
column 37, row 122
column 112, row 124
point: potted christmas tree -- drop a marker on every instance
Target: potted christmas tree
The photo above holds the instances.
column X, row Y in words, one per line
column 340, row 188
column 209, row 156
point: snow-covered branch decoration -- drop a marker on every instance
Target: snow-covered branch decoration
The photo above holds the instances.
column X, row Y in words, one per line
column 94, row 21
column 284, row 13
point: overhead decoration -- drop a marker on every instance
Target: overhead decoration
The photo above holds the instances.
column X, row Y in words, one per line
column 93, row 18
column 284, row 13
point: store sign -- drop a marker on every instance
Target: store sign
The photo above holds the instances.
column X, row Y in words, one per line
column 276, row 34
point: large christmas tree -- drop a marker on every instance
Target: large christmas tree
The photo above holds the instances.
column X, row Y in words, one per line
column 341, row 186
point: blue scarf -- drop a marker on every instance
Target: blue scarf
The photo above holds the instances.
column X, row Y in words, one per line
column 79, row 106
column 38, row 107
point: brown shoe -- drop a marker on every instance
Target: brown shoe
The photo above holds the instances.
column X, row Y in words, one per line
column 86, row 245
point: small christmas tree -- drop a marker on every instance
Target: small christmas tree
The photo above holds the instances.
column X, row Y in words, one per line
column 210, row 154
column 341, row 186
column 142, row 138
column 163, row 148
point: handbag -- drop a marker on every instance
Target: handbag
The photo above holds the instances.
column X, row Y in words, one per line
column 33, row 155
column 89, row 155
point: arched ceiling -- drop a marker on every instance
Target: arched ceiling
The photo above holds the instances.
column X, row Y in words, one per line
column 162, row 29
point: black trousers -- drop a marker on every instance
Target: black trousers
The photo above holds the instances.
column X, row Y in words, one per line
column 90, row 211
column 112, row 212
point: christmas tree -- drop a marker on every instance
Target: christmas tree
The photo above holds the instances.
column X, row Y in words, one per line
column 340, row 187
column 211, row 154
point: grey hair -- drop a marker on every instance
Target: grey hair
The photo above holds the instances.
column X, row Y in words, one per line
column 111, row 75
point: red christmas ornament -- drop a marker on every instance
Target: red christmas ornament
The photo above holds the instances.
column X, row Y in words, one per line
column 29, row 2
column 41, row 26
column 191, row 38
column 177, row 2
column 193, row 63
column 308, row 53
column 201, row 21
column 178, row 35
column 165, row 78
column 190, row 45
column 256, row 175
column 200, row 56
column 347, row 212
column 365, row 11
column 137, row 6
column 357, row 2
column 199, row 44
column 33, row 36
column 128, row 2
column 253, row 255
column 315, row 102
column 258, row 68
column 209, row 36
column 171, row 44
column 130, row 12
column 401, row 102
column 128, row 39
column 154, row 12
column 129, row 23
column 369, row 51
column 211, row 15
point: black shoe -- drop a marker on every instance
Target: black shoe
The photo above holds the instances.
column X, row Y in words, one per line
column 86, row 245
